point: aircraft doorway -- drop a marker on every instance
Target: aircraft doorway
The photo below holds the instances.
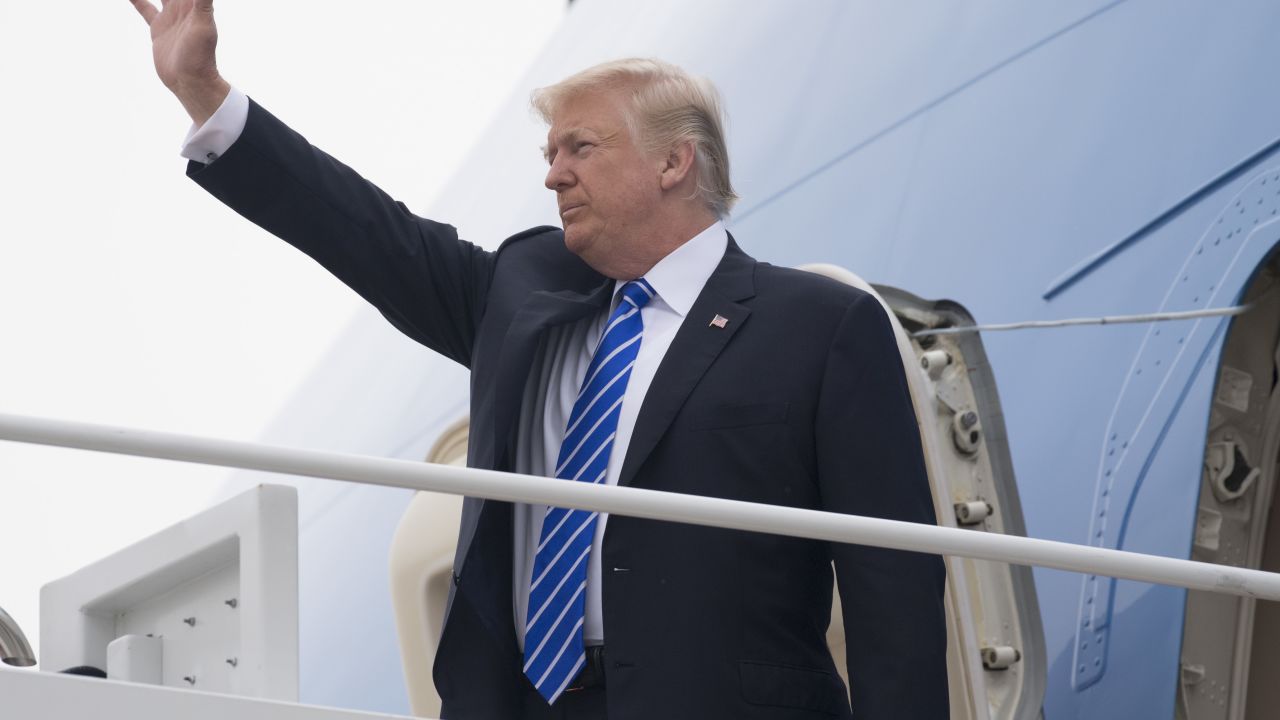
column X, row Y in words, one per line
column 1230, row 654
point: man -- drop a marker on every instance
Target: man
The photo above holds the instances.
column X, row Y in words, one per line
column 641, row 347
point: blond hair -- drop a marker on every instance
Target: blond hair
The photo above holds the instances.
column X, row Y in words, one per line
column 667, row 107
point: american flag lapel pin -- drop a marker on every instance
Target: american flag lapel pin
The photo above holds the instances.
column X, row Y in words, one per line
column 719, row 321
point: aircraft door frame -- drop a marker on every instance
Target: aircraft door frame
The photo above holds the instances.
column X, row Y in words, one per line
column 996, row 655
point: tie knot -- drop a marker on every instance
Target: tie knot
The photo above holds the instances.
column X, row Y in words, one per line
column 638, row 292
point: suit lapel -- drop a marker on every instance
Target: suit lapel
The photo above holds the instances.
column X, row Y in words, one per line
column 695, row 347
column 541, row 310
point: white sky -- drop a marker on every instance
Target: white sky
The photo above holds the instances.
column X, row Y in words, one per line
column 129, row 297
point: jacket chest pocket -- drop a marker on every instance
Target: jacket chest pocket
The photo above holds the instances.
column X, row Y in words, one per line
column 741, row 451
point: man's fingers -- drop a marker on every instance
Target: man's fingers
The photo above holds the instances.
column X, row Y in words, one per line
column 145, row 9
column 205, row 5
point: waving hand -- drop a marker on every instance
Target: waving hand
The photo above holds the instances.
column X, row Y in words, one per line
column 183, row 43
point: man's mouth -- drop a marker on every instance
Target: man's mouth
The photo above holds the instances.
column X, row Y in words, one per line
column 564, row 211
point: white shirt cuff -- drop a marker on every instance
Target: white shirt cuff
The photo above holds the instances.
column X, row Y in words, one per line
column 205, row 143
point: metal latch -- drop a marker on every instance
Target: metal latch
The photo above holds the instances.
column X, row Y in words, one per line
column 1228, row 470
column 1000, row 657
column 973, row 512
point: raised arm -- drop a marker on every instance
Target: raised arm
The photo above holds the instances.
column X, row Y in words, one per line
column 428, row 283
column 184, row 40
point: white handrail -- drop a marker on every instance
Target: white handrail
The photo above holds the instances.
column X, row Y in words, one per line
column 652, row 504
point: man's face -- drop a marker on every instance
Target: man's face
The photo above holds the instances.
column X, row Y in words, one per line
column 606, row 186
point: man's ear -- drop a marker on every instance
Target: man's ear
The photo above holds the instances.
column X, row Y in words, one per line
column 677, row 165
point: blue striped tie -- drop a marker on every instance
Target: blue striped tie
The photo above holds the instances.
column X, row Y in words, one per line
column 553, row 652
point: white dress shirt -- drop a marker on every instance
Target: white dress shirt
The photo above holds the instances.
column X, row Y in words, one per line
column 557, row 373
column 205, row 143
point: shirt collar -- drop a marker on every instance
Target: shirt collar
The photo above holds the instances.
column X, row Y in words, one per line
column 679, row 277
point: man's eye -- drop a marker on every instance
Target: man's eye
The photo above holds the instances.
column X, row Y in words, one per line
column 583, row 146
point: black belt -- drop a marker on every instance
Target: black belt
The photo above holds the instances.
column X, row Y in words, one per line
column 592, row 675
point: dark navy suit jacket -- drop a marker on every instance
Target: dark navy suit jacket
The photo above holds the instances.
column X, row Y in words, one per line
column 800, row 400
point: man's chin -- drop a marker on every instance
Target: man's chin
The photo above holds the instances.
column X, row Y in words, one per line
column 584, row 246
column 575, row 240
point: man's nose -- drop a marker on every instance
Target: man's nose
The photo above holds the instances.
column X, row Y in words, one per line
column 558, row 176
